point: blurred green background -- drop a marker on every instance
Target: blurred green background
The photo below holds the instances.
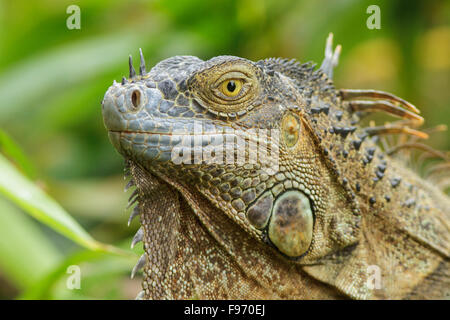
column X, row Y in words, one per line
column 52, row 81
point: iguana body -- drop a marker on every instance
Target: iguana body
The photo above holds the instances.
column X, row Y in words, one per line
column 314, row 215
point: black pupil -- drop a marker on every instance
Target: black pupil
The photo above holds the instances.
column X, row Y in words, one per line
column 231, row 86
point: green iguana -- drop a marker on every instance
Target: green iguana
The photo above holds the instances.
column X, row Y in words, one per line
column 257, row 180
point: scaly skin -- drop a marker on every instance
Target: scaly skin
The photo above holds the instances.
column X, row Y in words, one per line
column 325, row 209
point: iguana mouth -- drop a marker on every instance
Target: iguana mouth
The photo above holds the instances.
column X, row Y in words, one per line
column 162, row 146
column 210, row 145
column 144, row 145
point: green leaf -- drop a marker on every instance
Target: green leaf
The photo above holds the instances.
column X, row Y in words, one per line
column 98, row 271
column 15, row 153
column 39, row 205
column 25, row 253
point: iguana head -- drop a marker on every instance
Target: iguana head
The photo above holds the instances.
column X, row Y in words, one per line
column 269, row 145
column 242, row 133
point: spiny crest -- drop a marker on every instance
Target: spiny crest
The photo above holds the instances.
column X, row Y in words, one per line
column 331, row 57
column 290, row 68
column 134, row 201
column 306, row 72
column 365, row 102
column 432, row 164
column 360, row 103
column 142, row 72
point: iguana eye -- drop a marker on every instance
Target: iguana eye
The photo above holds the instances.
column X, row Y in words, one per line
column 231, row 88
column 227, row 89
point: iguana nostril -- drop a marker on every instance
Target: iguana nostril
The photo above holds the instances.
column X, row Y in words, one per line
column 136, row 99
